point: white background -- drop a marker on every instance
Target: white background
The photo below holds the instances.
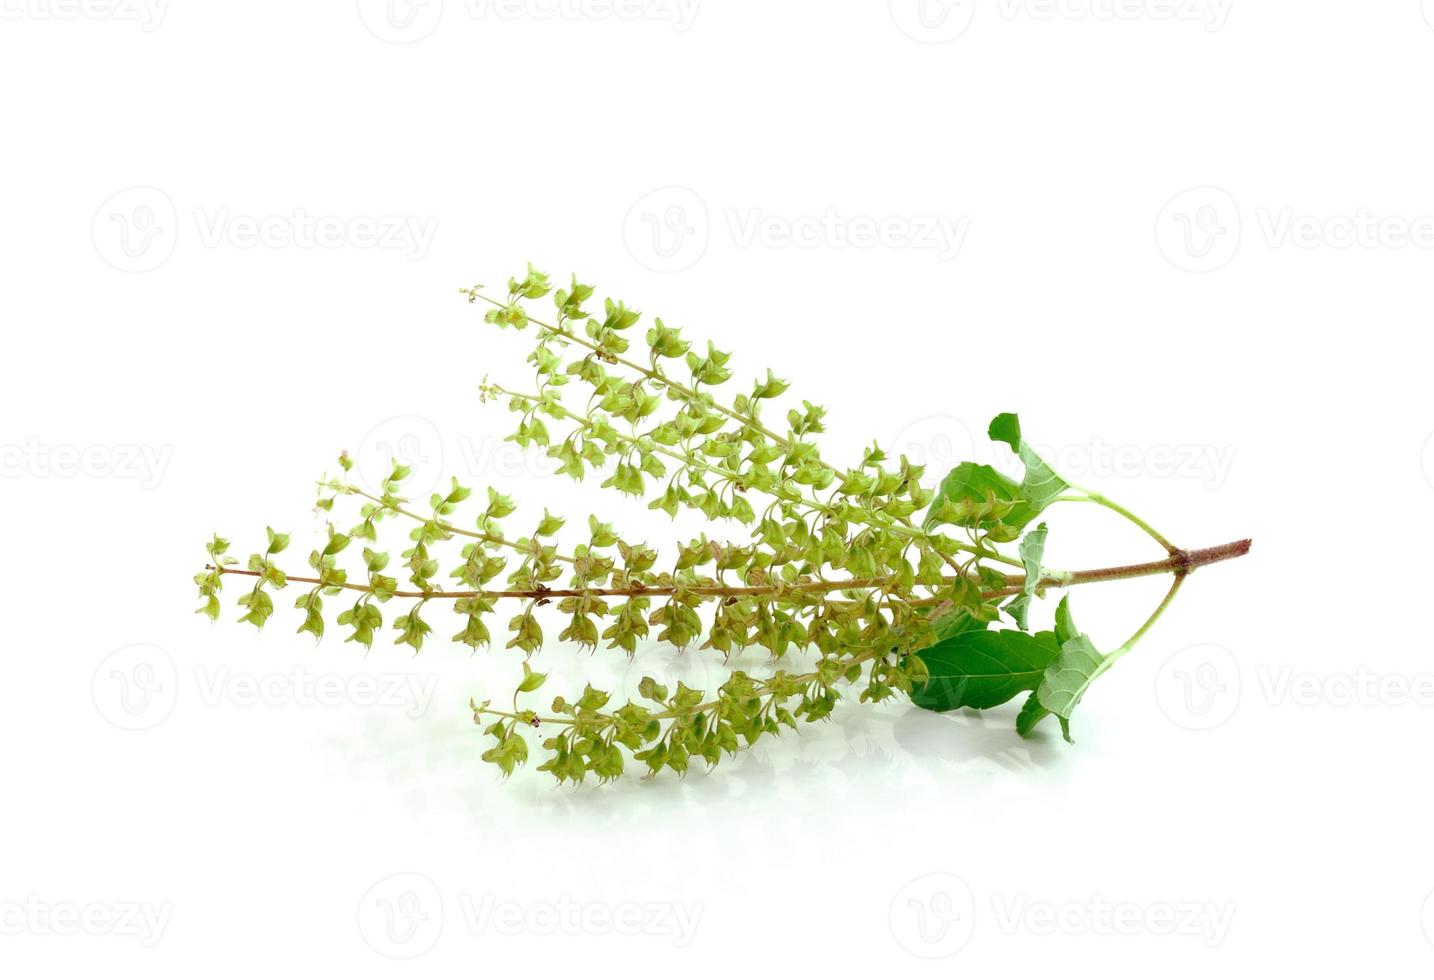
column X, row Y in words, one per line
column 1189, row 242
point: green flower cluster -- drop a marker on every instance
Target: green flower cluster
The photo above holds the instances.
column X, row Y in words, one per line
column 870, row 575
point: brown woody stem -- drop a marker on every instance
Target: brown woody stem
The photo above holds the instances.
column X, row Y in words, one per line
column 1181, row 562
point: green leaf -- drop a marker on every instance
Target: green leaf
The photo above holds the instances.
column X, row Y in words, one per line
column 981, row 669
column 1030, row 716
column 1033, row 549
column 1065, row 624
column 1033, row 712
column 971, row 612
column 975, row 495
column 956, row 623
column 1041, row 484
column 1067, row 679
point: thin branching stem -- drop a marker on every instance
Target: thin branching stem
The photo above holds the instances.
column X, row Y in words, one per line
column 1180, row 563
